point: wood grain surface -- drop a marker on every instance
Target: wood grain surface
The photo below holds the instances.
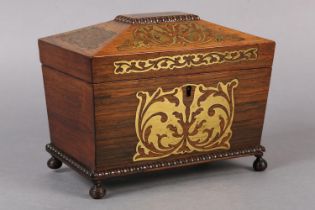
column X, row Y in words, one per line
column 70, row 109
column 116, row 104
column 92, row 109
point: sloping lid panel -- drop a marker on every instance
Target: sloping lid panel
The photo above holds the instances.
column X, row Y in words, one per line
column 174, row 36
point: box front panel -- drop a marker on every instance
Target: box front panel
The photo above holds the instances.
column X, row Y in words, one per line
column 159, row 119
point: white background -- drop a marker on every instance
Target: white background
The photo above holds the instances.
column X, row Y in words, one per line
column 289, row 132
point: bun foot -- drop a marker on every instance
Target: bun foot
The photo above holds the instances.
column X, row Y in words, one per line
column 54, row 163
column 97, row 191
column 260, row 164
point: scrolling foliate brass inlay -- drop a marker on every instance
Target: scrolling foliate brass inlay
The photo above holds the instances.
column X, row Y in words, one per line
column 172, row 122
column 184, row 61
column 174, row 34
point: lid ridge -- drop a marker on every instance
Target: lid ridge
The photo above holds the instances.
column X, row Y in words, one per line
column 155, row 18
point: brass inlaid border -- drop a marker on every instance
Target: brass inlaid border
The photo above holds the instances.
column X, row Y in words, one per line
column 184, row 61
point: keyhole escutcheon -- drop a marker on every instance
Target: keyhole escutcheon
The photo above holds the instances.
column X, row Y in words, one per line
column 188, row 90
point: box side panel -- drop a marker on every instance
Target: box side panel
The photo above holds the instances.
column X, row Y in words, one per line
column 117, row 113
column 71, row 115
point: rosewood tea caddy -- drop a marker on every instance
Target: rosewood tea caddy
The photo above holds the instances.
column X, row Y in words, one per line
column 151, row 92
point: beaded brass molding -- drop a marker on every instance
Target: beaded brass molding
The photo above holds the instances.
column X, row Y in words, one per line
column 167, row 124
column 184, row 61
column 157, row 19
column 180, row 162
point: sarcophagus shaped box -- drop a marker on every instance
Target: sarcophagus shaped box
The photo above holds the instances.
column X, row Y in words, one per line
column 152, row 92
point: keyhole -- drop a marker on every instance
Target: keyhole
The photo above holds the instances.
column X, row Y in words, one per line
column 188, row 90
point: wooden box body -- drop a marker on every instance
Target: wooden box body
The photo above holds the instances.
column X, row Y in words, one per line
column 144, row 93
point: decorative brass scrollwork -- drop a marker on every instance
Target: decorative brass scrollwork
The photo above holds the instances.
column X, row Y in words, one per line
column 167, row 123
column 184, row 61
column 174, row 34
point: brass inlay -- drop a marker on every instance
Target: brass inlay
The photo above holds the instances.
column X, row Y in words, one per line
column 183, row 61
column 174, row 34
column 172, row 122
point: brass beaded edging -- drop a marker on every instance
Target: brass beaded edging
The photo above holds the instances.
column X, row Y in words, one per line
column 158, row 19
column 147, row 167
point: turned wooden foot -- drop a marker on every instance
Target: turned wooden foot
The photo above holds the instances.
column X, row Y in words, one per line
column 260, row 164
column 54, row 163
column 97, row 191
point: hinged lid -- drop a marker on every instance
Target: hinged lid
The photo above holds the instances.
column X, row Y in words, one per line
column 153, row 45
